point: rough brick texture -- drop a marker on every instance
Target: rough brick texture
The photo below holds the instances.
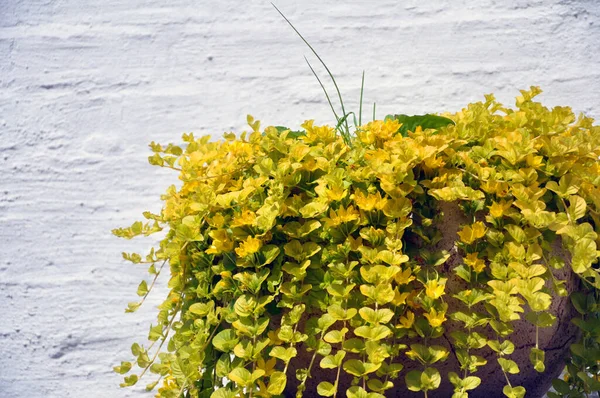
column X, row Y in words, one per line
column 86, row 85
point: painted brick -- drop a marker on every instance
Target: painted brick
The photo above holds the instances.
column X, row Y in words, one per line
column 86, row 85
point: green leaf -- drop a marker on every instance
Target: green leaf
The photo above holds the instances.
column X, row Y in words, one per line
column 277, row 383
column 382, row 294
column 132, row 307
column 201, row 309
column 413, row 380
column 151, row 386
column 378, row 386
column 471, row 382
column 463, row 272
column 359, row 368
column 504, row 348
column 508, row 365
column 270, row 253
column 314, row 209
column 536, row 356
column 142, row 289
column 359, row 392
column 339, row 314
column 333, row 361
column 129, row 381
column 584, row 254
column 577, row 207
column 561, row 386
column 579, row 301
column 428, row 121
column 514, row 392
column 541, row 319
column 244, row 305
column 223, row 392
column 225, row 340
column 251, row 327
column 590, row 382
column 326, row 389
column 240, row 376
column 223, row 365
column 339, row 290
column 427, row 354
column 285, row 354
column 373, row 333
column 430, row 379
column 568, row 185
column 335, row 336
column 123, row 368
column 354, row 345
column 383, row 315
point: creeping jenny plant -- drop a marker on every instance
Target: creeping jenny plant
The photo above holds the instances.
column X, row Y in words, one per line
column 283, row 241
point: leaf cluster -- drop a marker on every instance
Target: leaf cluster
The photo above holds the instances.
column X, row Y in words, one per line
column 281, row 243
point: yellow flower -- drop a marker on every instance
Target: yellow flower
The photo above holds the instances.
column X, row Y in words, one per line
column 435, row 288
column 246, row 217
column 341, row 216
column 369, row 202
column 407, row 320
column 475, row 262
column 354, row 244
column 250, row 246
column 273, row 336
column 323, row 134
column 216, row 221
column 435, row 318
column 399, row 298
column 470, row 233
column 220, row 242
column 404, row 277
column 378, row 131
column 497, row 210
column 268, row 366
column 333, row 192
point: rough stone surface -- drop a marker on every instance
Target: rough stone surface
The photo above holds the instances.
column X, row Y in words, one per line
column 86, row 85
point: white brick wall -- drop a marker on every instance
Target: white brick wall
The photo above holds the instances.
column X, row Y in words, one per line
column 86, row 85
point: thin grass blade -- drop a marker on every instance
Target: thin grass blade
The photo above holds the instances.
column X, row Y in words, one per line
column 362, row 88
column 337, row 118
column 320, row 60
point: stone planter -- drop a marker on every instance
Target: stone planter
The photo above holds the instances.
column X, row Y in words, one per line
column 554, row 341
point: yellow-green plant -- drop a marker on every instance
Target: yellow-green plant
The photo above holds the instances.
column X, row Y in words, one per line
column 279, row 241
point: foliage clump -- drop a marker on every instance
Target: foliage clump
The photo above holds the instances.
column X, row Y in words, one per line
column 283, row 241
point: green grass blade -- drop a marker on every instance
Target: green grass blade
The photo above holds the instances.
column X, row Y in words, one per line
column 320, row 60
column 362, row 87
column 337, row 118
column 346, row 136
